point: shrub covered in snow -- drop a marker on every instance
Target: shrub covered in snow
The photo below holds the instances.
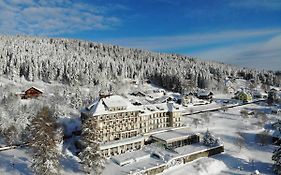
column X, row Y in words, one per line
column 210, row 140
column 15, row 116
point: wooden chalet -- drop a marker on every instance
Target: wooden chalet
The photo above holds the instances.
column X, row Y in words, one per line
column 205, row 94
column 32, row 92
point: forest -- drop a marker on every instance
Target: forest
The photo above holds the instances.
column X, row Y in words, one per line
column 76, row 62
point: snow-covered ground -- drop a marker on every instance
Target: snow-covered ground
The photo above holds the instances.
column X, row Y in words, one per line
column 202, row 166
column 243, row 154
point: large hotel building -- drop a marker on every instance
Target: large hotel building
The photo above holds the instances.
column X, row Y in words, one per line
column 123, row 126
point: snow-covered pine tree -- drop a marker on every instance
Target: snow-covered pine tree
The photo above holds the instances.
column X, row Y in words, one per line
column 276, row 157
column 81, row 63
column 209, row 139
column 15, row 117
column 44, row 143
column 91, row 156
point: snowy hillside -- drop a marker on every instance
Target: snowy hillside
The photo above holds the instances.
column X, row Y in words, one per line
column 78, row 62
column 45, row 133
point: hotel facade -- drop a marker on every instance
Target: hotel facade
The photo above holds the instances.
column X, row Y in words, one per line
column 123, row 126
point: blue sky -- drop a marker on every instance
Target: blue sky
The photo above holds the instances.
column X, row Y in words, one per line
column 242, row 32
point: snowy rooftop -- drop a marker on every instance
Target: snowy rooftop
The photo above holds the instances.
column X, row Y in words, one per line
column 121, row 142
column 115, row 101
column 152, row 108
column 203, row 92
column 101, row 106
column 143, row 159
column 189, row 149
column 173, row 135
column 128, row 157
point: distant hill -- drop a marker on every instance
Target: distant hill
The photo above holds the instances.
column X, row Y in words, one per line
column 77, row 62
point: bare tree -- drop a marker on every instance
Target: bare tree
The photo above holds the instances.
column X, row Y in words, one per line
column 191, row 110
column 239, row 141
column 224, row 107
column 244, row 113
column 206, row 117
column 195, row 122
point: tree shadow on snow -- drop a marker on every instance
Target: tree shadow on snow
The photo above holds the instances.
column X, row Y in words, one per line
column 12, row 164
column 70, row 165
column 243, row 166
column 257, row 142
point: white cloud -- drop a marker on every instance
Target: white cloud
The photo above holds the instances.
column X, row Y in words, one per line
column 262, row 55
column 241, row 47
column 52, row 17
column 190, row 40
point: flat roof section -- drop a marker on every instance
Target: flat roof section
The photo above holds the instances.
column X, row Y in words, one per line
column 173, row 135
column 122, row 142
column 128, row 157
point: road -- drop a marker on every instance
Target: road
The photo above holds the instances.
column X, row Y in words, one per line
column 214, row 107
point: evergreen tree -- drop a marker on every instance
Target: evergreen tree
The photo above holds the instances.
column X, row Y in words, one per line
column 45, row 136
column 209, row 139
column 83, row 63
column 91, row 156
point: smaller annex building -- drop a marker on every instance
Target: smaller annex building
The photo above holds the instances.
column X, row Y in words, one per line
column 175, row 138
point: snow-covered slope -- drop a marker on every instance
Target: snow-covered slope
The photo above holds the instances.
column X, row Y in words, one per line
column 81, row 62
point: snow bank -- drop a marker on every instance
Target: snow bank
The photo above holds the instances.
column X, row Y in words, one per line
column 202, row 166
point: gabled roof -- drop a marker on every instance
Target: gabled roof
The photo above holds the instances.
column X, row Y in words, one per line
column 101, row 105
column 203, row 92
column 114, row 101
column 35, row 88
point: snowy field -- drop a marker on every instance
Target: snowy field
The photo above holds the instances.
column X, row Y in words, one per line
column 243, row 152
column 243, row 155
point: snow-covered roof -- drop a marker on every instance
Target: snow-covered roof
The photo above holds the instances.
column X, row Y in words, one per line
column 136, row 161
column 163, row 99
column 117, row 143
column 173, row 135
column 115, row 101
column 128, row 157
column 33, row 87
column 160, row 107
column 203, row 92
column 101, row 106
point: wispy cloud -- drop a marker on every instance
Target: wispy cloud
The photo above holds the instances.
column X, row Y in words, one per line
column 250, row 48
column 46, row 17
column 262, row 55
column 191, row 40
